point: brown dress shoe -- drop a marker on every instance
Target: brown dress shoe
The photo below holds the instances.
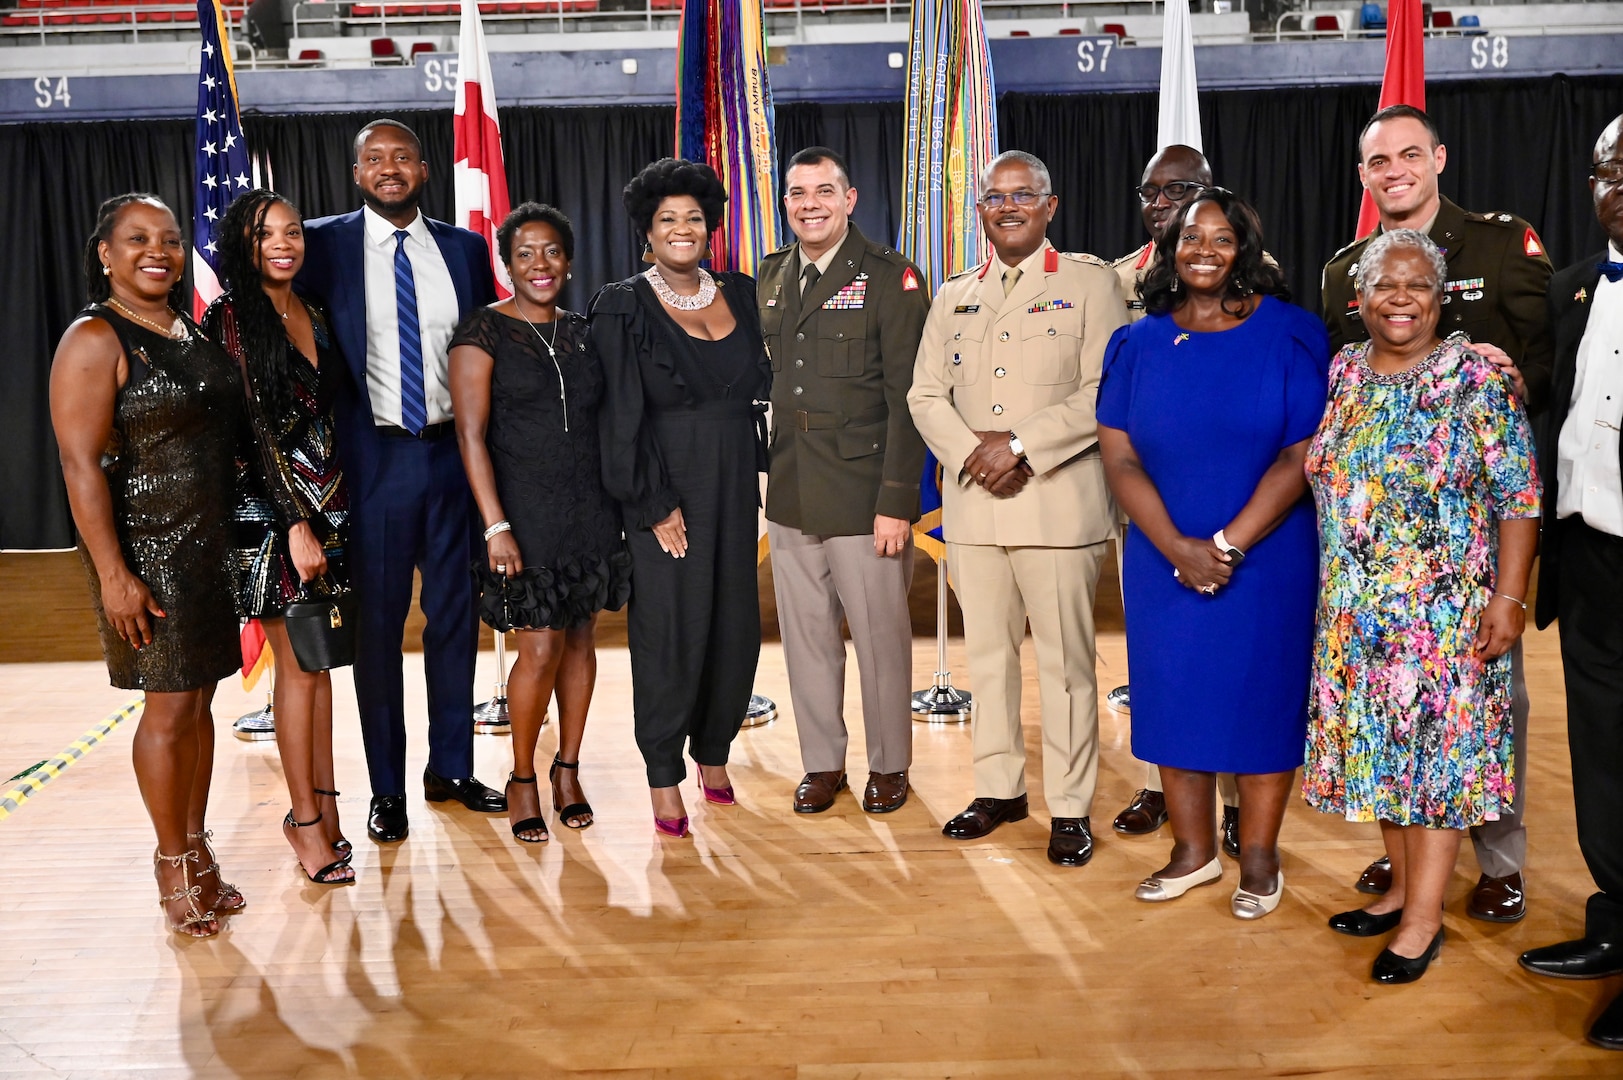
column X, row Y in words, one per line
column 1146, row 813
column 984, row 815
column 1498, row 899
column 817, row 790
column 1070, row 841
column 1377, row 877
column 885, row 792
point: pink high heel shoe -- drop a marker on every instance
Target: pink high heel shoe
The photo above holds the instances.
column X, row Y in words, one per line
column 721, row 796
column 676, row 829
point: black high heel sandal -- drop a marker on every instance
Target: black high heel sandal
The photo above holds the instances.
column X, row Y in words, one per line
column 339, row 844
column 573, row 810
column 534, row 824
column 324, row 875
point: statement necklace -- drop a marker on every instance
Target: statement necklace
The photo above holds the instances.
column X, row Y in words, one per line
column 552, row 354
column 170, row 331
column 697, row 302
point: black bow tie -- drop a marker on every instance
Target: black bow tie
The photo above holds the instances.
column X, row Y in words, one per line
column 1612, row 270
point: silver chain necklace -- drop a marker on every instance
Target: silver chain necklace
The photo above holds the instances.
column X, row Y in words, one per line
column 697, row 302
column 552, row 354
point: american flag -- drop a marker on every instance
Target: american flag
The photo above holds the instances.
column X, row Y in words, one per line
column 223, row 171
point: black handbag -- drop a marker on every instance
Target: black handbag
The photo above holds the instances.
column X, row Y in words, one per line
column 321, row 629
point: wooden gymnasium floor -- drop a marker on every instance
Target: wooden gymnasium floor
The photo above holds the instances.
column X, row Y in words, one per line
column 768, row 945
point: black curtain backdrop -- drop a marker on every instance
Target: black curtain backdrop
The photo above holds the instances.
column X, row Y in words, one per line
column 1516, row 145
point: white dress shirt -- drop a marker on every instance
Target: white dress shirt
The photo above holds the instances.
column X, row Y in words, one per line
column 1586, row 466
column 437, row 318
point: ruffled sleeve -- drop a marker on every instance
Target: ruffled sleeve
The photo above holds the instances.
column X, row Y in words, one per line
column 634, row 471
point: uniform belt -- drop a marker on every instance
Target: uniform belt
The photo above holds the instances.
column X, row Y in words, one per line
column 432, row 431
column 820, row 421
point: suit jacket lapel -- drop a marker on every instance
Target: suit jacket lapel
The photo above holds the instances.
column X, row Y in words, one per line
column 841, row 272
column 348, row 299
column 446, row 241
column 1571, row 320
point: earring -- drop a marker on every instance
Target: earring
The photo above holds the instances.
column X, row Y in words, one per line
column 106, row 271
column 1174, row 284
column 648, row 253
column 707, row 252
column 569, row 275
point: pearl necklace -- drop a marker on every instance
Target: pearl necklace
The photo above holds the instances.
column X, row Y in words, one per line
column 551, row 353
column 697, row 302
column 166, row 331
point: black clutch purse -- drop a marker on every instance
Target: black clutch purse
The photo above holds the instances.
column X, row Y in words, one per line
column 322, row 629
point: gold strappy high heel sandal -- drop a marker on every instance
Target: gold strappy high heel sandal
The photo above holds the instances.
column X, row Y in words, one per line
column 197, row 923
column 228, row 899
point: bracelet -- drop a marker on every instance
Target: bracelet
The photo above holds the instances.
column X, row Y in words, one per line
column 1520, row 603
column 500, row 527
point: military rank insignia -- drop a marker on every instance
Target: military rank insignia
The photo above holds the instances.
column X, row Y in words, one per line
column 850, row 297
column 1049, row 305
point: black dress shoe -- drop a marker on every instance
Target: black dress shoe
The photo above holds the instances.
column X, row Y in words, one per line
column 1392, row 969
column 984, row 815
column 1377, row 877
column 468, row 791
column 1231, row 831
column 1070, row 841
column 1584, row 958
column 387, row 821
column 1607, row 1032
column 1146, row 813
column 1363, row 924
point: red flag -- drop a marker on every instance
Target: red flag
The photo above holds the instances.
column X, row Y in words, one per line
column 1404, row 82
column 256, row 653
column 480, row 175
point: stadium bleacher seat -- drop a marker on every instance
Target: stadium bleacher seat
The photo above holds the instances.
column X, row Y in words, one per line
column 312, row 57
column 1371, row 17
column 1067, row 31
column 1442, row 20
column 384, row 52
column 1471, row 26
column 1327, row 24
column 1117, row 29
column 420, row 47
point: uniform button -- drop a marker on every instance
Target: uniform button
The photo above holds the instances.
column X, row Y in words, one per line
column 957, row 359
column 839, row 335
column 800, row 363
column 801, row 336
column 956, row 337
column 799, row 390
column 1052, row 331
column 997, row 410
column 1003, row 336
column 1000, row 372
column 876, row 446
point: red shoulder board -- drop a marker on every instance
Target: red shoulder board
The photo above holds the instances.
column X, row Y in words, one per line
column 1144, row 259
column 1530, row 244
column 980, row 275
column 910, row 280
column 1051, row 261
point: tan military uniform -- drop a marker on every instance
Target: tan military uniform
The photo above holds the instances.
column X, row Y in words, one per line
column 843, row 450
column 1494, row 292
column 1029, row 363
column 1130, row 270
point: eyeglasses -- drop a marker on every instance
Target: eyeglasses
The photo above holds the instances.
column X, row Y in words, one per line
column 1609, row 171
column 1176, row 192
column 996, row 200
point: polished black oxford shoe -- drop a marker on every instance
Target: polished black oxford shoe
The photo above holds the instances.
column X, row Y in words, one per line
column 387, row 821
column 467, row 791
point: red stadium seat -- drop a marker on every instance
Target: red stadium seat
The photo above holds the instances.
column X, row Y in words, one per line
column 420, row 47
column 408, row 11
column 541, row 7
column 19, row 20
column 580, row 5
column 311, row 56
column 441, row 9
column 1019, row 33
column 364, row 11
column 1442, row 20
column 487, row 9
column 510, row 9
column 1116, row 28
column 1067, row 31
column 1327, row 24
column 384, row 52
column 154, row 16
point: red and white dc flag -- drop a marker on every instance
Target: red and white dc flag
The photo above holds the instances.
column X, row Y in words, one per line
column 1404, row 81
column 480, row 176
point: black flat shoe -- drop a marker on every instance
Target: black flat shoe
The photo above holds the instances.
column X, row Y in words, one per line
column 1392, row 969
column 1360, row 923
column 1231, row 831
column 387, row 821
column 572, row 813
column 530, row 824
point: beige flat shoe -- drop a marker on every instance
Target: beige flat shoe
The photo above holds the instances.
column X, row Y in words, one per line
column 1155, row 890
column 1247, row 905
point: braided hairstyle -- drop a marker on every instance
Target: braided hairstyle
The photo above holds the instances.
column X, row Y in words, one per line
column 97, row 286
column 261, row 330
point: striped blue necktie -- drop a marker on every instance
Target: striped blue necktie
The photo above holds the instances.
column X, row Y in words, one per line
column 413, row 401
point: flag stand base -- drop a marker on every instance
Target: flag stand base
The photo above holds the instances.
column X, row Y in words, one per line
column 1120, row 699
column 762, row 711
column 257, row 726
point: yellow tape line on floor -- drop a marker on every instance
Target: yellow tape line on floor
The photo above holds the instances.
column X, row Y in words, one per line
column 34, row 781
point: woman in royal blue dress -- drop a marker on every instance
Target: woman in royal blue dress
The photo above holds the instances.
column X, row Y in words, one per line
column 1205, row 412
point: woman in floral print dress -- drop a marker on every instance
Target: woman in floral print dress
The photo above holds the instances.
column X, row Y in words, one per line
column 1428, row 504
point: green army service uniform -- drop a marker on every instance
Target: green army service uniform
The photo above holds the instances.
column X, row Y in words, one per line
column 843, row 451
column 1494, row 291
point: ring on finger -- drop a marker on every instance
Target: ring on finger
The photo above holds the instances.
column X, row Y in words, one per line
column 1209, row 590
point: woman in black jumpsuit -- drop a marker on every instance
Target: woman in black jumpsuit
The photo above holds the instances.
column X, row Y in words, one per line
column 686, row 381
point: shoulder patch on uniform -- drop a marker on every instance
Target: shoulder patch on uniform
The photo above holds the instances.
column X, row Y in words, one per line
column 1350, row 248
column 1531, row 247
column 1084, row 257
column 910, row 280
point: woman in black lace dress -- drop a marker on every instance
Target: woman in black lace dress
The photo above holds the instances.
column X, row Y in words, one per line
column 147, row 413
column 683, row 441
column 292, row 518
column 525, row 387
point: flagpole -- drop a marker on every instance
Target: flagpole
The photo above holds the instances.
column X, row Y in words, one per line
column 941, row 702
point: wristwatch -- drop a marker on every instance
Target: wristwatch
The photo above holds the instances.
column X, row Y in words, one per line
column 1236, row 556
column 1016, row 446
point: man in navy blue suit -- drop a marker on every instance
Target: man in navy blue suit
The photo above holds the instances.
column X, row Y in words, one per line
column 396, row 284
column 1580, row 583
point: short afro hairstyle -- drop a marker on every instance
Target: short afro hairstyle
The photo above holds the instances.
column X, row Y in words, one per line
column 524, row 214
column 674, row 176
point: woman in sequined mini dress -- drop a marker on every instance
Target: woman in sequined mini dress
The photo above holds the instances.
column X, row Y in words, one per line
column 147, row 414
column 293, row 516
